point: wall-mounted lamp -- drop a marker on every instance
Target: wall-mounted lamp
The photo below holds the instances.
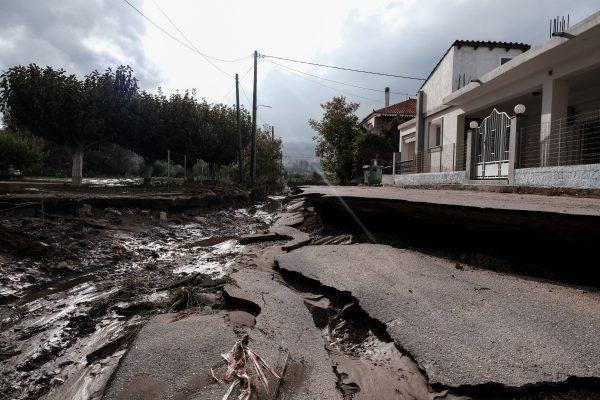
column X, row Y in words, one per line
column 473, row 125
column 520, row 109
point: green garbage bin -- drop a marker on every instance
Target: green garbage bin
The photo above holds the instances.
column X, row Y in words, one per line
column 372, row 174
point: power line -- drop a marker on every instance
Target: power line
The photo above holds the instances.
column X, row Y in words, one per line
column 246, row 96
column 229, row 91
column 206, row 57
column 337, row 89
column 331, row 80
column 250, row 104
column 233, row 87
column 343, row 68
column 246, row 73
column 192, row 44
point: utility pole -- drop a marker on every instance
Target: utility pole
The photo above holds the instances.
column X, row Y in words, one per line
column 239, row 128
column 272, row 132
column 253, row 154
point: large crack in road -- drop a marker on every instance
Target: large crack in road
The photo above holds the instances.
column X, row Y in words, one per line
column 343, row 272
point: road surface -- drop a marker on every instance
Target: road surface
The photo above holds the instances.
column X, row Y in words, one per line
column 464, row 326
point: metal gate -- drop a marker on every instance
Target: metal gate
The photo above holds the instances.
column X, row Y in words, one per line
column 492, row 146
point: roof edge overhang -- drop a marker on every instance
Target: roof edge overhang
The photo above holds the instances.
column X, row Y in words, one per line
column 408, row 124
column 507, row 72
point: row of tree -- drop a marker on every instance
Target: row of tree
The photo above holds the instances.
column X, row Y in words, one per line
column 109, row 107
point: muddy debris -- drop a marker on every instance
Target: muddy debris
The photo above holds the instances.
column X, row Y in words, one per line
column 74, row 290
column 334, row 239
column 238, row 359
column 261, row 237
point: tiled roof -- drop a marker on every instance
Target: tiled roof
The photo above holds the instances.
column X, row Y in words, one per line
column 405, row 108
column 491, row 44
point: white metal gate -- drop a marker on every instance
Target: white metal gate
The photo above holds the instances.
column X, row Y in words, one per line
column 492, row 146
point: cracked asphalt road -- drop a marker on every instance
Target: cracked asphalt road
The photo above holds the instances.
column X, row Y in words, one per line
column 569, row 205
column 465, row 326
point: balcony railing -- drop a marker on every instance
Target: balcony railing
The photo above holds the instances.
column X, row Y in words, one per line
column 573, row 140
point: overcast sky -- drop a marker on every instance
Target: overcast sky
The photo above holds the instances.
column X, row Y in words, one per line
column 397, row 37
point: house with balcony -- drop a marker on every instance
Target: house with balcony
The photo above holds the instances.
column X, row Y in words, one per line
column 505, row 113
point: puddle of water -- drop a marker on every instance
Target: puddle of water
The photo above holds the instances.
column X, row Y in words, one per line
column 214, row 261
column 112, row 182
column 55, row 287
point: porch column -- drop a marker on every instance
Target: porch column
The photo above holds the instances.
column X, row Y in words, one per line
column 459, row 147
column 420, row 134
column 394, row 164
column 516, row 124
column 555, row 99
column 470, row 155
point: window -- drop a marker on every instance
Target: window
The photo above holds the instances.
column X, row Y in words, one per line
column 436, row 133
column 504, row 60
column 438, row 136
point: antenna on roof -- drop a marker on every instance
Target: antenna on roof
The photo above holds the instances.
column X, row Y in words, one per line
column 559, row 26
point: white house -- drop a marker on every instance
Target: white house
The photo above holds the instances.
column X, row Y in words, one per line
column 555, row 142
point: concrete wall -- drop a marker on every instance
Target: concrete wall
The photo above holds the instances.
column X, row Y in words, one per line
column 439, row 84
column 487, row 60
column 433, row 178
column 573, row 176
column 387, row 180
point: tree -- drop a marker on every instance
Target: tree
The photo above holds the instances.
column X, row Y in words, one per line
column 20, row 150
column 370, row 145
column 59, row 107
column 145, row 131
column 268, row 156
column 335, row 136
column 182, row 122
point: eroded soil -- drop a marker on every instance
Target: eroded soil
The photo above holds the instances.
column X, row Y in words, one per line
column 74, row 288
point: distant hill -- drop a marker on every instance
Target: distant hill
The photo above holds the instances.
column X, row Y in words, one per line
column 300, row 157
column 299, row 149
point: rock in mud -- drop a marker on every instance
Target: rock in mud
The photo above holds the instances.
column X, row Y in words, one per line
column 85, row 211
column 255, row 238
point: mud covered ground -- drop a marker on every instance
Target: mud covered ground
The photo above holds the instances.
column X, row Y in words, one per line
column 75, row 287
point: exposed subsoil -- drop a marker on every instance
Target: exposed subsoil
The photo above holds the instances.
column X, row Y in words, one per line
column 367, row 362
column 76, row 286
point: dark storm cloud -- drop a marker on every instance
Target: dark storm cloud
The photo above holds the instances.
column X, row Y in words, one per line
column 76, row 35
column 413, row 49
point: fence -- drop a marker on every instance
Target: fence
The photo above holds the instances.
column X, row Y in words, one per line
column 572, row 140
column 406, row 167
